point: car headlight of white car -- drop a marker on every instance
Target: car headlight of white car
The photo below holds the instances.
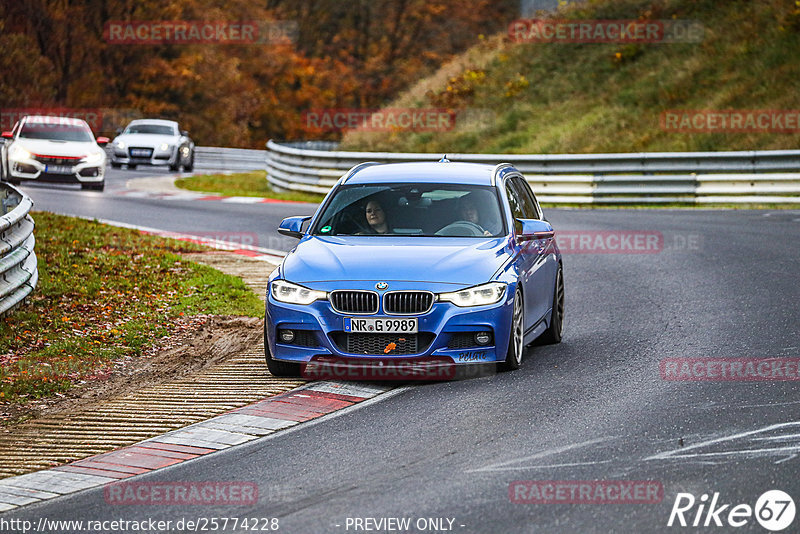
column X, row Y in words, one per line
column 120, row 145
column 290, row 293
column 164, row 147
column 476, row 296
column 17, row 153
column 95, row 157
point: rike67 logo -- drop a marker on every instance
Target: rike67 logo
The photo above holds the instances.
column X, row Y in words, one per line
column 774, row 510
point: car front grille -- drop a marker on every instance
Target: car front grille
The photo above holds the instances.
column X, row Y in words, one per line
column 407, row 302
column 354, row 301
column 381, row 344
column 56, row 160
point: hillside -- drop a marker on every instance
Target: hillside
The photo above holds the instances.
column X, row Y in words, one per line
column 589, row 98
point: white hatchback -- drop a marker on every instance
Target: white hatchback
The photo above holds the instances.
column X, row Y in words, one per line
column 53, row 149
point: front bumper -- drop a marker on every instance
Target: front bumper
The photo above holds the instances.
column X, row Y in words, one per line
column 32, row 169
column 156, row 157
column 442, row 333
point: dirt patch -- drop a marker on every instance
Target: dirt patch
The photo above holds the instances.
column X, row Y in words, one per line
column 198, row 342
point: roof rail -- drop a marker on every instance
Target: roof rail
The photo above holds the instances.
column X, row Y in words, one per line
column 357, row 168
column 498, row 169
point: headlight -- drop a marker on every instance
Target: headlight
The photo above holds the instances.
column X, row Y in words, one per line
column 163, row 147
column 97, row 157
column 476, row 296
column 120, row 145
column 18, row 153
column 284, row 291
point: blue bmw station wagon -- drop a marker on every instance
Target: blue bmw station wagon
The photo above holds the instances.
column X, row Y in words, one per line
column 421, row 261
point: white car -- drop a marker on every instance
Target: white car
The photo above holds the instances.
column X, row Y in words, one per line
column 153, row 142
column 53, row 149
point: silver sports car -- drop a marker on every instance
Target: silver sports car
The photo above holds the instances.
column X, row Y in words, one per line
column 153, row 142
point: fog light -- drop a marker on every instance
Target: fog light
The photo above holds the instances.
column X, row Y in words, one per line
column 287, row 336
column 483, row 338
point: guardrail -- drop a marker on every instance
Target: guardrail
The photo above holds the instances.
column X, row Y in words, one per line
column 228, row 159
column 18, row 269
column 641, row 178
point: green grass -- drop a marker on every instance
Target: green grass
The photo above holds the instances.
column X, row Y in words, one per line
column 245, row 184
column 596, row 98
column 104, row 293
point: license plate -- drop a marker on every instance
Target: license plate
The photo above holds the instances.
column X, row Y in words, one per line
column 59, row 169
column 140, row 152
column 378, row 325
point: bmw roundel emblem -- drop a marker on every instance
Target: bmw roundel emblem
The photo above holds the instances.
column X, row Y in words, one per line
column 381, row 285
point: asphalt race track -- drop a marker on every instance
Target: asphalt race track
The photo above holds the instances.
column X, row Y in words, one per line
column 722, row 284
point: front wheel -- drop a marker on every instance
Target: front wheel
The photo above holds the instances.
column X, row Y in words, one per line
column 189, row 167
column 556, row 329
column 516, row 345
column 279, row 368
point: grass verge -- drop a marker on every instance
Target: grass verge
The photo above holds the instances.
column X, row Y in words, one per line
column 104, row 293
column 244, row 184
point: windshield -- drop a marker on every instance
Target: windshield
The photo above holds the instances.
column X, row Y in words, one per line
column 57, row 131
column 425, row 210
column 157, row 129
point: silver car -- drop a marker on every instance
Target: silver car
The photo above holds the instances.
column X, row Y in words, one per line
column 153, row 142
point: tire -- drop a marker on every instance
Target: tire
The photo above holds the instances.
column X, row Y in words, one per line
column 131, row 167
column 115, row 165
column 555, row 331
column 189, row 167
column 516, row 339
column 278, row 368
column 94, row 187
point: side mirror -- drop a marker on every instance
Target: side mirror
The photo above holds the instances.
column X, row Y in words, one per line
column 536, row 229
column 185, row 133
column 8, row 135
column 293, row 226
column 119, row 131
column 103, row 141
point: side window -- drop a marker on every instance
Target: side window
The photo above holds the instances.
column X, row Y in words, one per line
column 517, row 210
column 529, row 204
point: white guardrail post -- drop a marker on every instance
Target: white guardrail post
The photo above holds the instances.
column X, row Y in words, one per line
column 636, row 178
column 18, row 269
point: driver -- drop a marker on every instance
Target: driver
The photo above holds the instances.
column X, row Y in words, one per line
column 376, row 218
column 468, row 211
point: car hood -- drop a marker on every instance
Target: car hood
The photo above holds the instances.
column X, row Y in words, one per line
column 461, row 261
column 147, row 140
column 45, row 147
